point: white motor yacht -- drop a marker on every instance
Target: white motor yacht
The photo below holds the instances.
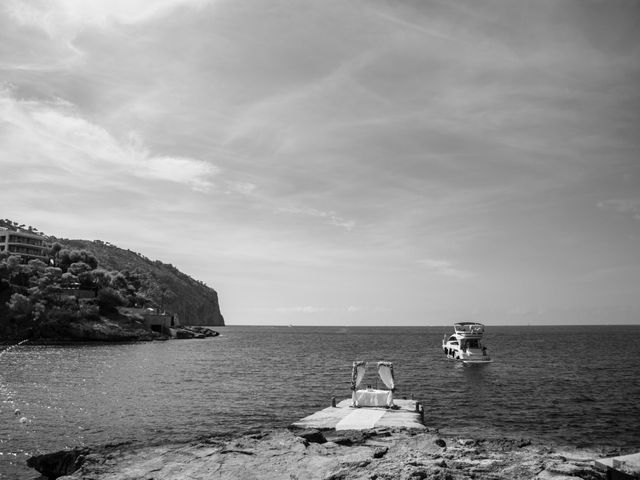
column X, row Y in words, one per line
column 465, row 344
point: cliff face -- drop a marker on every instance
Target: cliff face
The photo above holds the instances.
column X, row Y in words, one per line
column 193, row 301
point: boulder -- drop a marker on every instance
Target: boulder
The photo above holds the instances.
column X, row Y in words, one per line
column 440, row 442
column 182, row 333
column 58, row 464
column 312, row 436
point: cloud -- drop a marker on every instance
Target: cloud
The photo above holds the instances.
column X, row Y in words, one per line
column 181, row 170
column 444, row 267
column 61, row 145
column 68, row 17
column 243, row 188
column 430, row 31
column 62, row 35
column 289, row 122
column 332, row 217
column 629, row 206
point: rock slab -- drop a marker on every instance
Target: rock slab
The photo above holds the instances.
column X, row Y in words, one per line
column 380, row 454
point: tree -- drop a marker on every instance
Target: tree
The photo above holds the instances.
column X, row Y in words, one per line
column 55, row 248
column 68, row 280
column 78, row 268
column 20, row 305
column 63, row 259
column 14, row 271
column 47, row 288
column 101, row 278
column 108, row 300
column 89, row 258
column 35, row 267
column 119, row 281
column 13, row 265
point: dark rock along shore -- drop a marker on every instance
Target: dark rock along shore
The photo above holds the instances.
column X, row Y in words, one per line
column 380, row 454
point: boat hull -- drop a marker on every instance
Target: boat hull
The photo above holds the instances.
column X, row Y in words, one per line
column 454, row 352
column 476, row 362
column 469, row 360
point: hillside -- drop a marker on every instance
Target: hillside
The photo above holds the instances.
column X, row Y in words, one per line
column 193, row 301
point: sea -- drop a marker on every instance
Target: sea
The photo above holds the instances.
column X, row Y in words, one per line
column 575, row 386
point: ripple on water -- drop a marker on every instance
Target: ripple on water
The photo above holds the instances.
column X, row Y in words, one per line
column 254, row 377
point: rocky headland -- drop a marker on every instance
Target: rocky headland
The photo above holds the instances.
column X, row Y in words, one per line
column 83, row 291
column 379, row 454
column 194, row 301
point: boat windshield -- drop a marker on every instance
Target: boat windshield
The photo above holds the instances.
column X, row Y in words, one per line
column 472, row 343
column 469, row 327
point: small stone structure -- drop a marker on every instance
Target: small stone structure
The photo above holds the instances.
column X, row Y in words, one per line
column 154, row 320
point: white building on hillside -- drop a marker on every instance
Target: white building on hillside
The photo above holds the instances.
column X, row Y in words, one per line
column 26, row 244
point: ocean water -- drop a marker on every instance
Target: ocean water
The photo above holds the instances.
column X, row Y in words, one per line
column 575, row 385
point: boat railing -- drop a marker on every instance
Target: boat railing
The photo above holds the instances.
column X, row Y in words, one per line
column 473, row 328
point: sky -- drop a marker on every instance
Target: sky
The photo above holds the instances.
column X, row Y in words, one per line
column 339, row 162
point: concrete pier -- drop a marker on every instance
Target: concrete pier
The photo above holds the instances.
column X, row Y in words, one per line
column 343, row 416
column 624, row 467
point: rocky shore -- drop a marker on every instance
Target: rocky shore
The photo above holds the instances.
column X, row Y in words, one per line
column 115, row 328
column 378, row 454
column 98, row 328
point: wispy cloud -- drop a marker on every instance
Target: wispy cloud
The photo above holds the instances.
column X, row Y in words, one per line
column 444, row 267
column 53, row 136
column 417, row 27
column 243, row 188
column 331, row 217
column 68, row 17
column 630, row 206
column 195, row 173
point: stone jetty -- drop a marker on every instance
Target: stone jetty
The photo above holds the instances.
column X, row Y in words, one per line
column 405, row 414
column 623, row 467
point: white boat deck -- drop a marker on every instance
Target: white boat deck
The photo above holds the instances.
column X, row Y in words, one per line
column 345, row 417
